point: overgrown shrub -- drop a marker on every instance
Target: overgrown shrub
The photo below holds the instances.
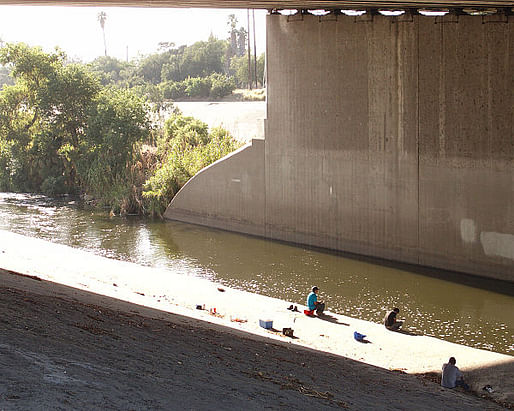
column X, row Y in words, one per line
column 117, row 123
column 52, row 186
column 197, row 86
column 172, row 90
column 215, row 86
column 184, row 150
column 221, row 86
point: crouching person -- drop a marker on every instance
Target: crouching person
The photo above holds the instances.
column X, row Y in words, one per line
column 452, row 377
column 313, row 304
column 390, row 320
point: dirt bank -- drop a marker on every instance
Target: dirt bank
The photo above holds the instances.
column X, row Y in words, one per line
column 63, row 348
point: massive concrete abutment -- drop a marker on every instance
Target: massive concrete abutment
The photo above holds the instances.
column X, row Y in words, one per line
column 388, row 137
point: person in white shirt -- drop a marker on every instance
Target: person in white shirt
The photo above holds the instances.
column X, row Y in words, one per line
column 452, row 377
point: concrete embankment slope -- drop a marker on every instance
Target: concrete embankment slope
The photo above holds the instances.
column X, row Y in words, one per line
column 228, row 194
column 179, row 293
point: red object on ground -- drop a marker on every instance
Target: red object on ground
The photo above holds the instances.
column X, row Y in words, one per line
column 310, row 313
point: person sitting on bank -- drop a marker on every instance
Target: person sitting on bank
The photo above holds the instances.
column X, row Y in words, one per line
column 390, row 320
column 452, row 377
column 312, row 301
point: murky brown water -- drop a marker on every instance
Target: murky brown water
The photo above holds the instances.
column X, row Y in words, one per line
column 445, row 309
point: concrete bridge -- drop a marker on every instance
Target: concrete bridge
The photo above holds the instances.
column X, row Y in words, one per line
column 385, row 136
column 388, row 137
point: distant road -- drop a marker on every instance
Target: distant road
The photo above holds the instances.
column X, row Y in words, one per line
column 244, row 120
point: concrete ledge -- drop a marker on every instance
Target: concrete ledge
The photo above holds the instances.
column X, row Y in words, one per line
column 215, row 221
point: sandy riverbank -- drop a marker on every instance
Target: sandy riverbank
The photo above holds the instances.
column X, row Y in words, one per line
column 173, row 297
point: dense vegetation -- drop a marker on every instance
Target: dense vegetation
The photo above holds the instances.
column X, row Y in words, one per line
column 206, row 69
column 70, row 128
column 183, row 149
column 95, row 129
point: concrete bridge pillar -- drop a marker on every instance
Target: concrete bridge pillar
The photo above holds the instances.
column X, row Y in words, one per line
column 389, row 137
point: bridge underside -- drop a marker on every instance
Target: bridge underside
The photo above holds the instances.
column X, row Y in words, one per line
column 267, row 4
column 389, row 137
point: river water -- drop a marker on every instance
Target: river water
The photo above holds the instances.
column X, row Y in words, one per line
column 432, row 306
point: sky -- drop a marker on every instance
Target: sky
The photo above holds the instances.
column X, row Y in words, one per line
column 76, row 30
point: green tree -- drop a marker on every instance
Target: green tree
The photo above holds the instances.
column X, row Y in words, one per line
column 48, row 113
column 15, row 139
column 172, row 70
column 236, row 38
column 185, row 148
column 166, row 45
column 112, row 71
column 117, row 124
column 60, row 131
column 242, row 35
column 150, row 67
column 200, row 60
column 239, row 69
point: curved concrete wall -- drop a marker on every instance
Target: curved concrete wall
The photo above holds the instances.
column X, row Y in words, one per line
column 228, row 194
column 389, row 137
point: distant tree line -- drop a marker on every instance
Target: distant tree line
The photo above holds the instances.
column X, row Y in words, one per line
column 206, row 69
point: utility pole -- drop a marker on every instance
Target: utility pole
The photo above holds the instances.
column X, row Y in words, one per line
column 254, row 50
column 248, row 47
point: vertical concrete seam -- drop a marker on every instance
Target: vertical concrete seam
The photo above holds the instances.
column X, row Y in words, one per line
column 489, row 43
column 418, row 137
column 441, row 140
column 265, row 230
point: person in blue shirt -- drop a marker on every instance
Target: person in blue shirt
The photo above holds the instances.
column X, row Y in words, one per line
column 313, row 303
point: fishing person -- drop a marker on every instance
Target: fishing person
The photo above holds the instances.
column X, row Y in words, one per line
column 312, row 302
column 390, row 320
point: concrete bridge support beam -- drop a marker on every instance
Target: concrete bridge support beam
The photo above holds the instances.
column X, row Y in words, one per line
column 391, row 137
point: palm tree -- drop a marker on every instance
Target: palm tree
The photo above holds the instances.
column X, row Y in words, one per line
column 102, row 16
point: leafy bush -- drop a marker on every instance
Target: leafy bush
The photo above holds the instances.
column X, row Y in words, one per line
column 117, row 123
column 215, row 86
column 183, row 132
column 239, row 69
column 185, row 149
column 172, row 90
column 53, row 185
column 221, row 86
column 197, row 86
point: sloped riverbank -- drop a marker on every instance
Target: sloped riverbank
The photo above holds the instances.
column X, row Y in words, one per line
column 65, row 330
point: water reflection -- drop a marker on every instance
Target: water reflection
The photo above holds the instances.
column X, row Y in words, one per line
column 432, row 306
